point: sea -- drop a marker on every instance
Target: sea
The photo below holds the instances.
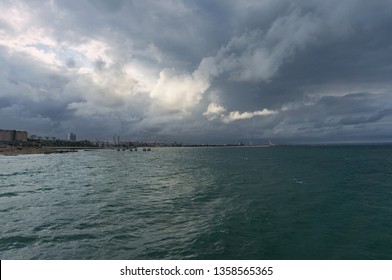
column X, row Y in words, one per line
column 252, row 203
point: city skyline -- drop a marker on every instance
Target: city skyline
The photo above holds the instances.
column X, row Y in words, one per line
column 198, row 71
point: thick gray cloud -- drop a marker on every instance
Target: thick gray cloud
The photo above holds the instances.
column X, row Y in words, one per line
column 198, row 71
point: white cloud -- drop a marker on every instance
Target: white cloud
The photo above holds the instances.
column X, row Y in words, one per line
column 17, row 17
column 93, row 50
column 236, row 115
column 179, row 92
column 34, row 43
column 214, row 111
column 218, row 112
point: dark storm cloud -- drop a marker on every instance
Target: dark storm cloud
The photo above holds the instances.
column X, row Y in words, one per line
column 198, row 71
column 366, row 119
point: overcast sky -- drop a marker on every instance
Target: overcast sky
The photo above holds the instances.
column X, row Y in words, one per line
column 198, row 71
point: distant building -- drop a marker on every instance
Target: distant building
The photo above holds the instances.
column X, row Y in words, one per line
column 71, row 136
column 12, row 135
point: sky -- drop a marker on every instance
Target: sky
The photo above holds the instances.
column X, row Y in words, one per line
column 204, row 71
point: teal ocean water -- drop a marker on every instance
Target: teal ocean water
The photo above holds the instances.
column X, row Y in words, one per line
column 332, row 202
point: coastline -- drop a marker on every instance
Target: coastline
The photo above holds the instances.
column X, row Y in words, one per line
column 15, row 151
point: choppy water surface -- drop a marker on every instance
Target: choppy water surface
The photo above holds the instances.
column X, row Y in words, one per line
column 199, row 203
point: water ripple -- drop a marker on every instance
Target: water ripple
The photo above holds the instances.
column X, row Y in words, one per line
column 215, row 203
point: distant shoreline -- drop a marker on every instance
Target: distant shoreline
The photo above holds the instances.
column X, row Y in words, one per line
column 15, row 151
column 26, row 150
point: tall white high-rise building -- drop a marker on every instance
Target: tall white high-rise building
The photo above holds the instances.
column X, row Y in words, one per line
column 71, row 136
